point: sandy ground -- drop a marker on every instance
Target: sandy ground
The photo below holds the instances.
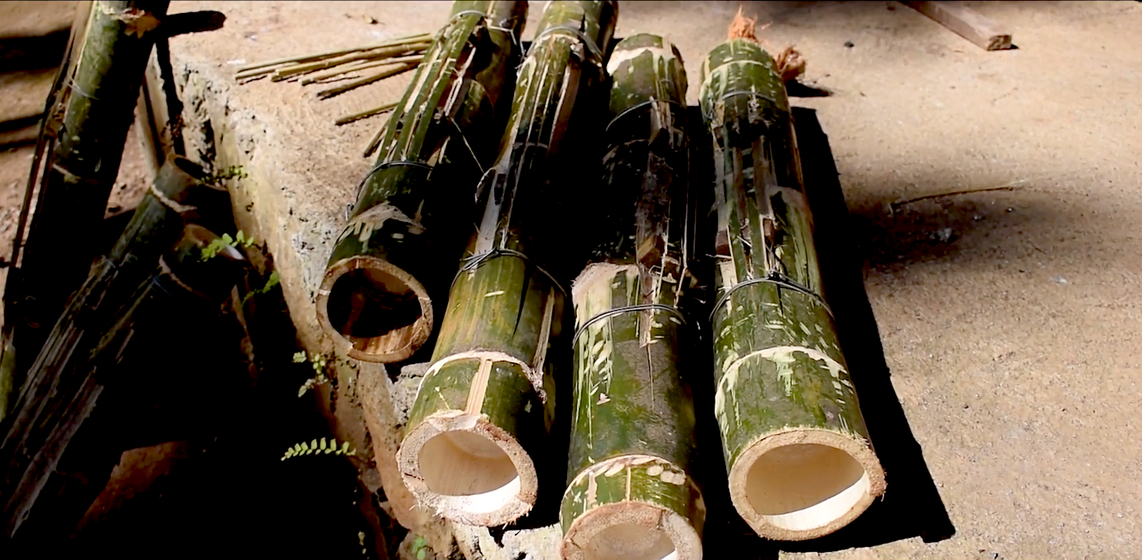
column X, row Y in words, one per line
column 1008, row 318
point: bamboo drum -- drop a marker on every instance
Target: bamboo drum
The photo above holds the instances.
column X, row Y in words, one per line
column 400, row 246
column 799, row 457
column 630, row 494
column 487, row 400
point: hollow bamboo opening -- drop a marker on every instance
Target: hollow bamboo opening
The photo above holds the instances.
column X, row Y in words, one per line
column 468, row 470
column 802, row 485
column 466, row 464
column 632, row 531
column 630, row 541
column 380, row 310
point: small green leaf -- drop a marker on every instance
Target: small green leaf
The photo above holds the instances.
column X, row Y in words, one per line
column 298, row 357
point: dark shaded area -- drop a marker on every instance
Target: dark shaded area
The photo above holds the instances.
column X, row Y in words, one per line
column 28, row 53
column 232, row 494
column 367, row 303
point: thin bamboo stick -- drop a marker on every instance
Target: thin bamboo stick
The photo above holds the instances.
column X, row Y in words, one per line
column 320, row 56
column 365, row 114
column 335, row 91
column 287, row 72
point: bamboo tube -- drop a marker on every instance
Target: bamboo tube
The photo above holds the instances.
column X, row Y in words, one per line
column 401, row 243
column 798, row 453
column 78, row 176
column 486, row 401
column 629, row 493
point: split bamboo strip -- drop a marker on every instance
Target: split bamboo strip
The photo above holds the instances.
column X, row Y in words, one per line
column 487, row 400
column 409, row 225
column 379, row 54
column 358, row 66
column 400, row 69
column 365, row 114
column 799, row 457
column 630, row 493
column 78, row 176
column 260, row 67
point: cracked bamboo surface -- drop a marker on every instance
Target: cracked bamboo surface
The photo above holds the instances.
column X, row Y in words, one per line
column 630, row 493
column 397, row 252
column 487, row 402
column 799, row 457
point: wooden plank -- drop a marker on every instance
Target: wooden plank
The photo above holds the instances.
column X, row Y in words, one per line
column 966, row 22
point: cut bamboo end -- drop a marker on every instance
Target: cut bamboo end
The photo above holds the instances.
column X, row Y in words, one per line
column 377, row 309
column 632, row 531
column 803, row 484
column 468, row 470
column 638, row 507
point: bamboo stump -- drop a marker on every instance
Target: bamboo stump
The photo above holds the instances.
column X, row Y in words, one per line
column 630, row 493
column 486, row 404
column 410, row 222
column 799, row 457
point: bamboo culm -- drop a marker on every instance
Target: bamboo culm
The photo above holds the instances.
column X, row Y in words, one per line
column 630, row 493
column 98, row 108
column 399, row 248
column 486, row 405
column 800, row 461
column 61, row 367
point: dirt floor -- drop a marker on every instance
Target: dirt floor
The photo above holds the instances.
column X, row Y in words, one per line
column 1007, row 312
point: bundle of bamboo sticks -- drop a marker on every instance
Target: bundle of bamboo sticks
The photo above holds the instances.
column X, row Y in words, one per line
column 360, row 66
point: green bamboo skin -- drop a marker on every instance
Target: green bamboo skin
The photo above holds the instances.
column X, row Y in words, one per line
column 488, row 400
column 629, row 493
column 397, row 252
column 799, row 457
column 98, row 106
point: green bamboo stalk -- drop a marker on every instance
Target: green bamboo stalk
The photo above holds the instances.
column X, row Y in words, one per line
column 408, row 227
column 487, row 402
column 51, row 261
column 58, row 371
column 629, row 493
column 799, row 457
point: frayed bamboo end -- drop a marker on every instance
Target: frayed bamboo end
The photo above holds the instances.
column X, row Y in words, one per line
column 789, row 63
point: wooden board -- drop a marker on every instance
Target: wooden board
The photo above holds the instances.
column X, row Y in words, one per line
column 966, row 22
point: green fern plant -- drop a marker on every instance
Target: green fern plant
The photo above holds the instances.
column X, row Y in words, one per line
column 226, row 242
column 272, row 281
column 319, row 367
column 319, row 447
